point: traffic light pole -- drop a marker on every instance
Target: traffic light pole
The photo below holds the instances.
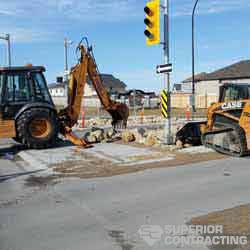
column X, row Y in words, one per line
column 167, row 130
column 152, row 33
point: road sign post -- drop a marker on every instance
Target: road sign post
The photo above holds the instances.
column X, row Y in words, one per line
column 164, row 103
column 165, row 68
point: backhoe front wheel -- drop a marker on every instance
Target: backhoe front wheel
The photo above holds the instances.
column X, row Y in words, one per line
column 37, row 128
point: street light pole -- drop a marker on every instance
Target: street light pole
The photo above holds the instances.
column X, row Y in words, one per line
column 7, row 38
column 193, row 60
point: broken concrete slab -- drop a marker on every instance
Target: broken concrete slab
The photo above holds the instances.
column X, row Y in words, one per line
column 196, row 149
column 117, row 154
column 126, row 154
column 106, row 159
column 42, row 159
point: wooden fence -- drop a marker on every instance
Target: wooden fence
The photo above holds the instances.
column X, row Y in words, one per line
column 183, row 100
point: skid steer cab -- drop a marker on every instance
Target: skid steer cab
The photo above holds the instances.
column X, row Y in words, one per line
column 27, row 112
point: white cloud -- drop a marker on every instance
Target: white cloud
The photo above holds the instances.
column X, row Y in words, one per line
column 6, row 13
column 105, row 10
column 30, row 20
column 9, row 8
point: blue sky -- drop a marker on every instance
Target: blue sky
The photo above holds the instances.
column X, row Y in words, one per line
column 115, row 28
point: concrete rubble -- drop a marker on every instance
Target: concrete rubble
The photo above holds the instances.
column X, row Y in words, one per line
column 152, row 137
column 99, row 121
column 146, row 137
column 128, row 136
column 96, row 122
column 139, row 135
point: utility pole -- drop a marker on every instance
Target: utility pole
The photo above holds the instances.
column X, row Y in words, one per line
column 7, row 38
column 167, row 132
column 67, row 43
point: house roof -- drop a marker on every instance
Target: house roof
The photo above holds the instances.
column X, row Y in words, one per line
column 198, row 77
column 138, row 92
column 110, row 82
column 239, row 70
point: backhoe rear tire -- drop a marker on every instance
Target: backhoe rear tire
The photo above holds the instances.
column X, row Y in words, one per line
column 37, row 128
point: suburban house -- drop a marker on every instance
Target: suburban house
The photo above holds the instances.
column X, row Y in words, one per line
column 57, row 89
column 112, row 84
column 186, row 85
column 139, row 98
column 207, row 85
column 177, row 87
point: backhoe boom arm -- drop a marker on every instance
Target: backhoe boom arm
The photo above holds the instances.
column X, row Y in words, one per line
column 68, row 116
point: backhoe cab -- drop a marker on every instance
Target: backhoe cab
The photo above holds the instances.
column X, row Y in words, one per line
column 227, row 129
column 27, row 112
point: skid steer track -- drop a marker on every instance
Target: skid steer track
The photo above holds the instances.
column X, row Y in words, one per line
column 230, row 140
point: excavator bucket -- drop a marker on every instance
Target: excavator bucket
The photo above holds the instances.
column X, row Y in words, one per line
column 76, row 140
column 191, row 133
column 67, row 132
column 119, row 114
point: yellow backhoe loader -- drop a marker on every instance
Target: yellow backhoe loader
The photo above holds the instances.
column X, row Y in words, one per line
column 28, row 114
column 227, row 129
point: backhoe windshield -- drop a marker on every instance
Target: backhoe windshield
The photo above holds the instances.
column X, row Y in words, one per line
column 40, row 87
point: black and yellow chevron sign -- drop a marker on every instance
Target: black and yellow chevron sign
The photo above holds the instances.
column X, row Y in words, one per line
column 164, row 103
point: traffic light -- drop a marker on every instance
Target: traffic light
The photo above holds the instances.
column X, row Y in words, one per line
column 152, row 22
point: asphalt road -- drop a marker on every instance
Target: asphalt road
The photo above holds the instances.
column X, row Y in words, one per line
column 106, row 213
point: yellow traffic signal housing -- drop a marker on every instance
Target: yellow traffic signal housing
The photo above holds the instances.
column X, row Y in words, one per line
column 152, row 22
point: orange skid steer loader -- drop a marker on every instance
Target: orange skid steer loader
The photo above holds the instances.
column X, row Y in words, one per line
column 227, row 129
